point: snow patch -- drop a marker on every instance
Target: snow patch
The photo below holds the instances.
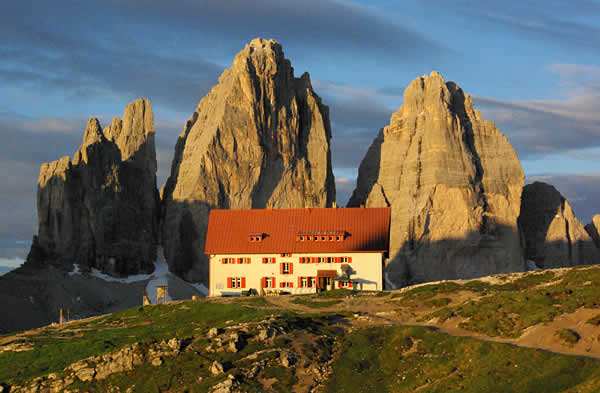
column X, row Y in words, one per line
column 160, row 276
column 200, row 288
column 531, row 265
column 76, row 271
column 388, row 283
column 123, row 280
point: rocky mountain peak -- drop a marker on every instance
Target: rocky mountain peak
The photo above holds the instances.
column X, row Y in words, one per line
column 454, row 184
column 101, row 208
column 554, row 236
column 593, row 228
column 260, row 138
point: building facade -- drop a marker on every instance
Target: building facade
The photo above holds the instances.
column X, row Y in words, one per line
column 296, row 250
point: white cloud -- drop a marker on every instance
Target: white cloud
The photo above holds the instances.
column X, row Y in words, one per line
column 11, row 262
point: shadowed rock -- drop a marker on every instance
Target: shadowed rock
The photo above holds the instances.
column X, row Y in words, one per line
column 260, row 138
column 453, row 182
column 554, row 237
column 593, row 228
column 101, row 208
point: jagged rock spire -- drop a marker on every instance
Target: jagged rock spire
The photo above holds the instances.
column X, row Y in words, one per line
column 260, row 138
column 454, row 184
column 101, row 208
column 554, row 237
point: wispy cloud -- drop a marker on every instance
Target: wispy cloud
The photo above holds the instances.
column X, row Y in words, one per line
column 582, row 191
column 541, row 127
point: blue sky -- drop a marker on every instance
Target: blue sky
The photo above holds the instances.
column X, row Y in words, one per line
column 533, row 67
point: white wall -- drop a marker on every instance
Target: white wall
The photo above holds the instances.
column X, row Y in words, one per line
column 368, row 268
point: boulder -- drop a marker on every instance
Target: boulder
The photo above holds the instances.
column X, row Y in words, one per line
column 216, row 368
column 554, row 237
column 453, row 182
column 259, row 139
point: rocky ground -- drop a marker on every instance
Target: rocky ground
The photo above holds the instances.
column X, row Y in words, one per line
column 534, row 332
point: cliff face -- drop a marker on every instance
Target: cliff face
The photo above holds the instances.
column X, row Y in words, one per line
column 101, row 208
column 453, row 182
column 593, row 229
column 554, row 237
column 260, row 138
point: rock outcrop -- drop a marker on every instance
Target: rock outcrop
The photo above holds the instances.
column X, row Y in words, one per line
column 259, row 139
column 593, row 228
column 453, row 182
column 101, row 208
column 554, row 237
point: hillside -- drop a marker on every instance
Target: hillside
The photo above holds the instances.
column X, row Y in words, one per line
column 534, row 332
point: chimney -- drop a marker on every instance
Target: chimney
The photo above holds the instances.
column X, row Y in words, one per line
column 334, row 205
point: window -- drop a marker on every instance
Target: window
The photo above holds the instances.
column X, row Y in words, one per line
column 303, row 282
column 227, row 261
column 286, row 268
column 286, row 255
column 268, row 282
column 268, row 260
column 306, row 282
column 304, row 260
column 255, row 237
column 321, row 259
column 345, row 259
column 236, row 282
column 286, row 284
column 329, row 259
column 340, row 238
column 345, row 284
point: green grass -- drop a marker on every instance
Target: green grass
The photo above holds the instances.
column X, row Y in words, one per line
column 568, row 336
column 308, row 301
column 54, row 350
column 508, row 309
column 595, row 320
column 404, row 359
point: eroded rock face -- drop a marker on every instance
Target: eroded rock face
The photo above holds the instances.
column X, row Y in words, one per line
column 101, row 208
column 260, row 138
column 593, row 229
column 453, row 182
column 554, row 237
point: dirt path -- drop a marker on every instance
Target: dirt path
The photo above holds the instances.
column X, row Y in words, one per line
column 377, row 311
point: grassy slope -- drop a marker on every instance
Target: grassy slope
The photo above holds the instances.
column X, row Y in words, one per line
column 404, row 359
column 395, row 359
column 55, row 349
column 506, row 310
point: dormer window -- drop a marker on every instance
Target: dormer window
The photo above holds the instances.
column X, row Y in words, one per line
column 321, row 236
column 256, row 237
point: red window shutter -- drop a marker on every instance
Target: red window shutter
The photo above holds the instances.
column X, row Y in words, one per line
column 281, row 268
column 349, row 259
column 229, row 282
column 299, row 282
column 273, row 260
column 340, row 284
column 338, row 259
column 243, row 282
column 274, row 284
column 263, row 282
column 291, row 268
column 314, row 259
column 291, row 284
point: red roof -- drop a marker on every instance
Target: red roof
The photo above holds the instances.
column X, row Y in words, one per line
column 235, row 231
